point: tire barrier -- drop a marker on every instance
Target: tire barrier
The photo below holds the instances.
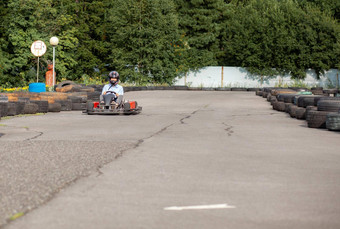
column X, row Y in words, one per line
column 11, row 109
column 333, row 121
column 300, row 113
column 317, row 119
column 317, row 99
column 317, row 90
column 265, row 94
column 78, row 106
column 320, row 108
column 3, row 109
column 66, row 105
column 93, row 96
column 273, row 100
column 329, row 92
column 269, row 96
column 74, row 88
column 15, row 108
column 280, row 106
column 30, row 108
column 308, row 101
column 275, row 92
column 328, row 105
column 54, row 107
column 292, row 111
column 98, row 88
column 42, row 106
column 288, row 98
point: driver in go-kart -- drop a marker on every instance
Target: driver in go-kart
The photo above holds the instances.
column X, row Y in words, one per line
column 112, row 91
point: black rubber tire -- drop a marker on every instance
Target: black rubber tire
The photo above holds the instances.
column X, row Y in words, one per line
column 11, row 109
column 280, row 106
column 320, row 98
column 273, row 100
column 94, row 96
column 308, row 109
column 30, row 108
column 65, row 83
column 89, row 106
column 54, row 107
column 287, row 107
column 300, row 113
column 19, row 107
column 292, row 111
column 317, row 119
column 3, row 98
column 23, row 99
column 333, row 121
column 78, row 106
column 264, row 94
column 329, row 105
column 308, row 101
column 43, row 106
column 317, row 90
column 288, row 98
column 3, row 108
column 66, row 105
column 269, row 96
column 75, row 99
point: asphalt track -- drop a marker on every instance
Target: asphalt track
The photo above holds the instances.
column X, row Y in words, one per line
column 191, row 159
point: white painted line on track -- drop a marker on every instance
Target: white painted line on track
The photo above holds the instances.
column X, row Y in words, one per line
column 199, row 207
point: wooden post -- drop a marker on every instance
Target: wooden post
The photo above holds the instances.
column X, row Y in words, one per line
column 222, row 78
column 337, row 80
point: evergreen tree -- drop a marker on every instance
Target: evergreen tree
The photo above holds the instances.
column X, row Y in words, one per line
column 271, row 38
column 201, row 23
column 88, row 19
column 3, row 42
column 142, row 35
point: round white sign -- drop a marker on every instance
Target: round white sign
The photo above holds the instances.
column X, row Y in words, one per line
column 38, row 48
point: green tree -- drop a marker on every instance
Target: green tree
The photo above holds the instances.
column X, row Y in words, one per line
column 88, row 22
column 201, row 23
column 143, row 34
column 271, row 38
column 3, row 42
column 329, row 6
column 30, row 20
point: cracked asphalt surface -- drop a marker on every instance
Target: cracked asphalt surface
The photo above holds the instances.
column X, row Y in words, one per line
column 70, row 170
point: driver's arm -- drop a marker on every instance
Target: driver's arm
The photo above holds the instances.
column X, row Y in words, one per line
column 104, row 90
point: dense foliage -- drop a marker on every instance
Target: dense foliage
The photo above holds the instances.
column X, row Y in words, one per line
column 154, row 41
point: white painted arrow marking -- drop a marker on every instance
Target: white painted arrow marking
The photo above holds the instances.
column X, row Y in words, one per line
column 199, row 207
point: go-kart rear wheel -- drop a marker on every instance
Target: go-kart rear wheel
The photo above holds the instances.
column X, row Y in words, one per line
column 89, row 106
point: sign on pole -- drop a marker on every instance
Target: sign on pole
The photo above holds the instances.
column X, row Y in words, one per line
column 38, row 48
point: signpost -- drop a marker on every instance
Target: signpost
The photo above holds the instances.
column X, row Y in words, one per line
column 38, row 48
column 54, row 42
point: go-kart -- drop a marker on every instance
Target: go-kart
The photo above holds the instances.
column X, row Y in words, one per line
column 110, row 107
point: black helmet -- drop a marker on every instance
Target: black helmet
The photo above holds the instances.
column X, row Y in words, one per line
column 113, row 74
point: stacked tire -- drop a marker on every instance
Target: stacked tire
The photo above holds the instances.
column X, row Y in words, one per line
column 320, row 109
